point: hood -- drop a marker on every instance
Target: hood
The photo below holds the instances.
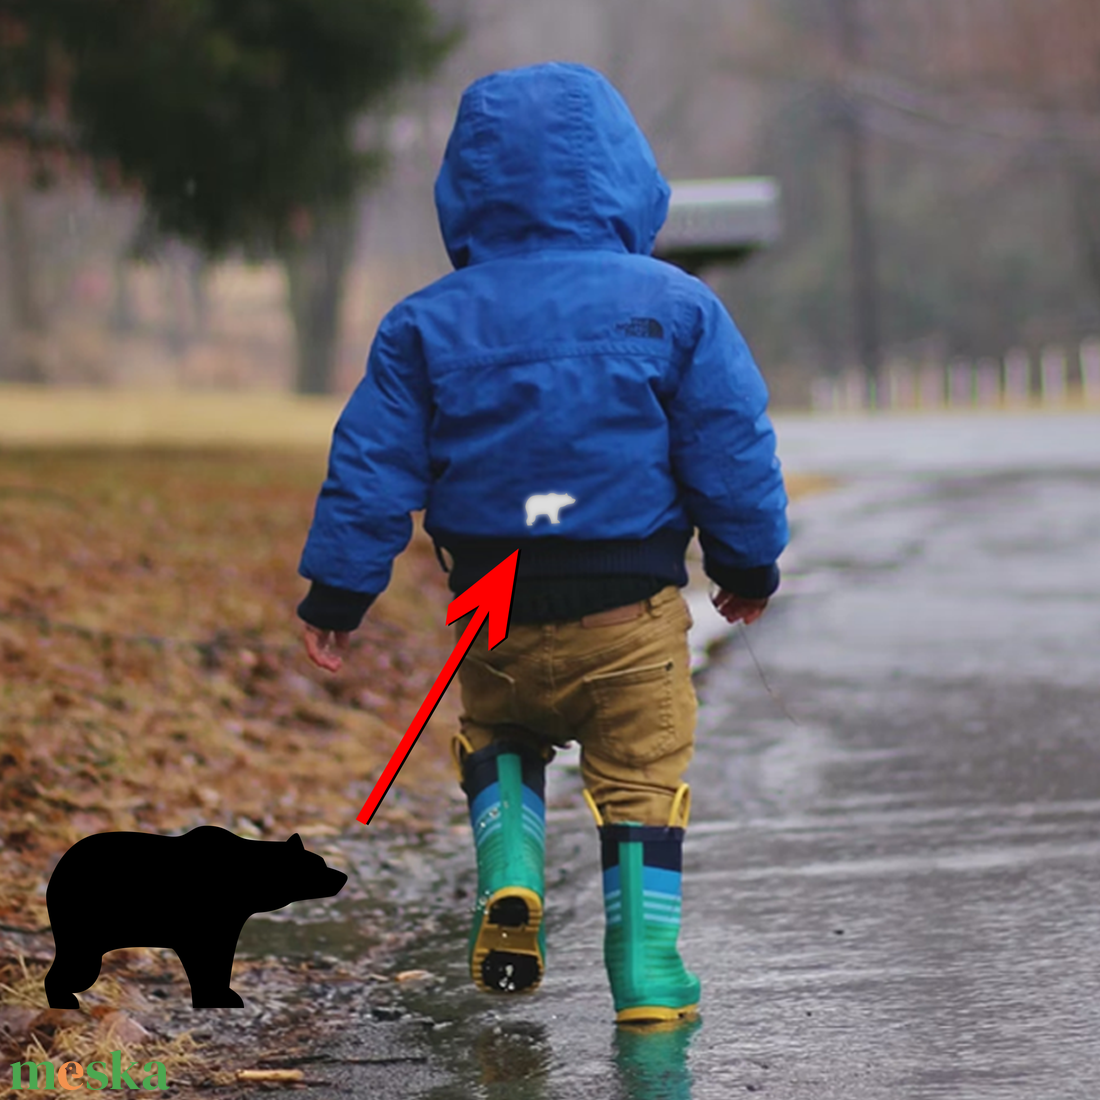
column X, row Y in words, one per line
column 547, row 157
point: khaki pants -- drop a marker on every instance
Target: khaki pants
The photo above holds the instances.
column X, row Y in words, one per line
column 619, row 683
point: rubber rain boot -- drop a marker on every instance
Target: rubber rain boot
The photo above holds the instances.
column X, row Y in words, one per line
column 505, row 789
column 641, row 887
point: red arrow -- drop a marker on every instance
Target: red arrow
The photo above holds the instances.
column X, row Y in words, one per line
column 492, row 597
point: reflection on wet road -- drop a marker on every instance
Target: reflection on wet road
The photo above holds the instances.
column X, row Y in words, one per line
column 893, row 891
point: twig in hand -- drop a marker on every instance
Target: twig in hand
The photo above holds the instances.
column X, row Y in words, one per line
column 764, row 680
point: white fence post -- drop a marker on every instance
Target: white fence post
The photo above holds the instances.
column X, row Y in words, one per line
column 961, row 387
column 1017, row 385
column 1090, row 370
column 930, row 385
column 988, row 378
column 985, row 384
column 823, row 395
column 855, row 390
column 1052, row 376
column 901, row 386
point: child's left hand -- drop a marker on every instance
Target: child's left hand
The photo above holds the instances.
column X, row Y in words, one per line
column 325, row 646
column 736, row 609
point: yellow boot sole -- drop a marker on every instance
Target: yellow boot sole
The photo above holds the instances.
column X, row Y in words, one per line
column 506, row 956
column 655, row 1014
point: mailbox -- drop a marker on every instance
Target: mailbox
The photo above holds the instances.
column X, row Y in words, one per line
column 718, row 221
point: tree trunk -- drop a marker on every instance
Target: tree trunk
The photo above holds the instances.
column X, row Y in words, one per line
column 25, row 308
column 1085, row 205
column 121, row 318
column 317, row 267
column 861, row 227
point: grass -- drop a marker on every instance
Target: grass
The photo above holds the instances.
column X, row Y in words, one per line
column 152, row 678
column 151, row 674
column 41, row 417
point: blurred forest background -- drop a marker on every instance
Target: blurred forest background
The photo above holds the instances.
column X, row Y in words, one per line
column 939, row 163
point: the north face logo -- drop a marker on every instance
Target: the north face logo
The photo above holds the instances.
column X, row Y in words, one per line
column 647, row 327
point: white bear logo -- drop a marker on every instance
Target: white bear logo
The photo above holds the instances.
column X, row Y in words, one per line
column 547, row 504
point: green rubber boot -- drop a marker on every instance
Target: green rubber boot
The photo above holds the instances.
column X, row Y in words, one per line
column 505, row 790
column 641, row 887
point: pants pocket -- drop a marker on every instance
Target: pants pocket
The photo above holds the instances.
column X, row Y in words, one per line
column 636, row 714
column 488, row 694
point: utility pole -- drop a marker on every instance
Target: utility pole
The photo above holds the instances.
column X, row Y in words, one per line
column 854, row 152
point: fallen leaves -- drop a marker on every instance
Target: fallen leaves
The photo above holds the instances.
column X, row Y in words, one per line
column 62, row 1033
column 150, row 623
column 15, row 1023
column 152, row 678
column 116, row 1030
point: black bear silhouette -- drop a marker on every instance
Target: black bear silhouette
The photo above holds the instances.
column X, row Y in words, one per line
column 209, row 882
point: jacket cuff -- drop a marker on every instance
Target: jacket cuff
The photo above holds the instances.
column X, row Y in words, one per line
column 329, row 608
column 757, row 583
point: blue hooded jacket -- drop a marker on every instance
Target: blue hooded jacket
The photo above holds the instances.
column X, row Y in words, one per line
column 558, row 358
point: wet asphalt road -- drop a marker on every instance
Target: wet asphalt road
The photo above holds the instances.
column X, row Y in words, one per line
column 892, row 884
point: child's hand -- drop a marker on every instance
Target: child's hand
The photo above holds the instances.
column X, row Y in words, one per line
column 737, row 608
column 325, row 646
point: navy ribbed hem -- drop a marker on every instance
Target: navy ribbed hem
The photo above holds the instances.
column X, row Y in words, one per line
column 329, row 608
column 660, row 555
column 756, row 583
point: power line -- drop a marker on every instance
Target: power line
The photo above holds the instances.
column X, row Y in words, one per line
column 1014, row 122
column 889, row 94
column 861, row 227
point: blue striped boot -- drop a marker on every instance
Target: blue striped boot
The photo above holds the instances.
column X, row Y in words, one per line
column 505, row 789
column 641, row 888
